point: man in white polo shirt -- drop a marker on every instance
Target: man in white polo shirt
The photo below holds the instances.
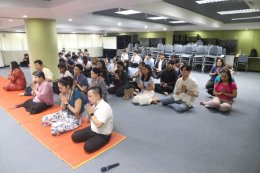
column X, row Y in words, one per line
column 100, row 116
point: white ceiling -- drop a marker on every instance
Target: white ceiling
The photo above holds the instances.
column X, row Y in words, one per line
column 86, row 22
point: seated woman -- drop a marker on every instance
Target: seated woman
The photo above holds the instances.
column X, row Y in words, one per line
column 72, row 107
column 43, row 95
column 64, row 72
column 16, row 78
column 98, row 80
column 103, row 71
column 214, row 72
column 25, row 62
column 224, row 92
column 146, row 83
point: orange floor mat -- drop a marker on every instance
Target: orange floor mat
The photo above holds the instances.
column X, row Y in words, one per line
column 62, row 146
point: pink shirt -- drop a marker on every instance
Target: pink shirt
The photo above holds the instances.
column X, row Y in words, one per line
column 45, row 93
column 229, row 89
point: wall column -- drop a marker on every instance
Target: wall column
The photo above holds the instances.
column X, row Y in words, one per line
column 42, row 43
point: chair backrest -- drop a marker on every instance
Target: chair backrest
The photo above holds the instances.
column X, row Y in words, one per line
column 243, row 59
column 201, row 50
column 194, row 48
column 188, row 50
column 213, row 50
column 178, row 49
column 219, row 50
column 199, row 43
column 168, row 48
column 224, row 51
column 160, row 47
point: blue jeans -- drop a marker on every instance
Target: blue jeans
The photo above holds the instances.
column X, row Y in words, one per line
column 176, row 105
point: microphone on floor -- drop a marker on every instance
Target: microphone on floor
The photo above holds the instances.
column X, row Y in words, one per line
column 107, row 168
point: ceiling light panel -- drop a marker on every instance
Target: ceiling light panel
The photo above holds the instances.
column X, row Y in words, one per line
column 128, row 12
column 209, row 1
column 238, row 11
column 246, row 18
column 180, row 21
column 157, row 18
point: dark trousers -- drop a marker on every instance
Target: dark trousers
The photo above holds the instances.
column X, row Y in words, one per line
column 35, row 108
column 210, row 87
column 161, row 90
column 117, row 91
column 93, row 141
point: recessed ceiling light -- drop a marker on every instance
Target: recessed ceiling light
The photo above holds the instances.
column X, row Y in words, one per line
column 119, row 23
column 10, row 20
column 209, row 1
column 70, row 20
column 145, row 26
column 157, row 18
column 238, row 11
column 180, row 21
column 246, row 18
column 128, row 12
column 24, row 16
column 164, row 29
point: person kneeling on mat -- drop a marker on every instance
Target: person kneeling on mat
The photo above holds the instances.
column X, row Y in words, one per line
column 43, row 95
column 72, row 107
column 100, row 116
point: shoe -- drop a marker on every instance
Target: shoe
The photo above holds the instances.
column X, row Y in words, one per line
column 19, row 105
column 136, row 104
column 126, row 94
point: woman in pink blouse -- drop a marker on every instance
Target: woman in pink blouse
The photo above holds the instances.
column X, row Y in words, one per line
column 225, row 91
column 16, row 78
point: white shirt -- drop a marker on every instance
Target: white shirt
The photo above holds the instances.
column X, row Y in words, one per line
column 191, row 85
column 66, row 74
column 136, row 59
column 160, row 65
column 124, row 57
column 103, row 113
column 47, row 73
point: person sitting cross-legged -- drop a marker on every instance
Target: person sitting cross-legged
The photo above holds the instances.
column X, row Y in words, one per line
column 225, row 91
column 100, row 116
column 185, row 91
column 16, row 78
column 72, row 107
column 146, row 84
column 168, row 79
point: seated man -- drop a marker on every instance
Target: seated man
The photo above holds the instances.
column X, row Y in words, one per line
column 168, row 79
column 100, row 116
column 43, row 95
column 80, row 81
column 160, row 65
column 185, row 91
column 120, row 81
column 149, row 60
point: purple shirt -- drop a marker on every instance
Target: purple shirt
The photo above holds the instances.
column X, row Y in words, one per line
column 45, row 93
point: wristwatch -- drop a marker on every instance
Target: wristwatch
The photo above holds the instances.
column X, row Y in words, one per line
column 91, row 114
column 66, row 105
